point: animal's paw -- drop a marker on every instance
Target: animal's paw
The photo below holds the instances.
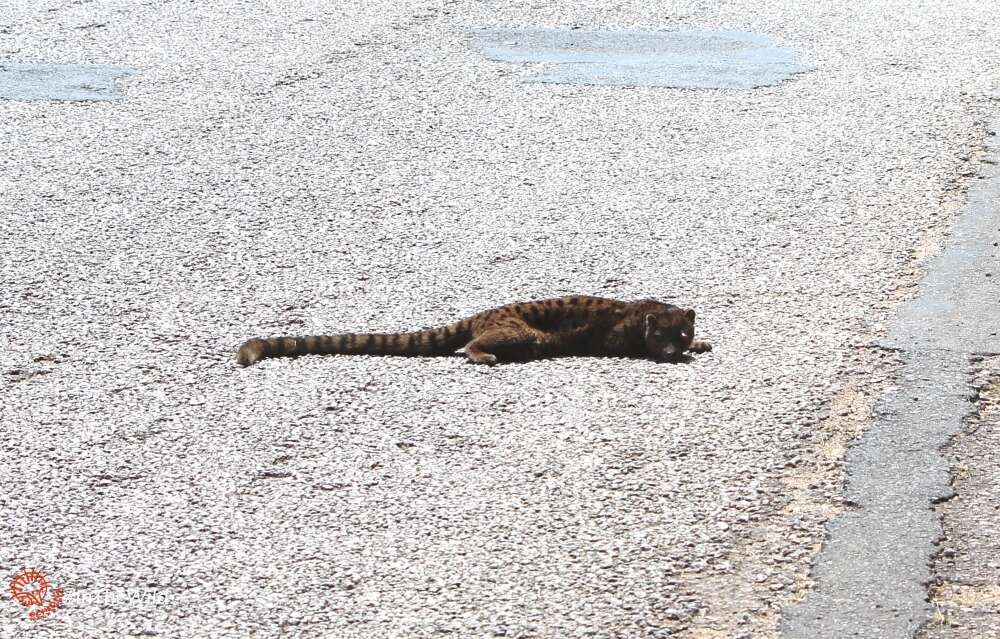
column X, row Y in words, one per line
column 699, row 346
column 489, row 359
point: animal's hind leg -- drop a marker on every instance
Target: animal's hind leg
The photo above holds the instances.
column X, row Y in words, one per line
column 474, row 350
column 506, row 344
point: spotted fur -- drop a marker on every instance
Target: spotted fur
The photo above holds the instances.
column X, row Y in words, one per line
column 578, row 325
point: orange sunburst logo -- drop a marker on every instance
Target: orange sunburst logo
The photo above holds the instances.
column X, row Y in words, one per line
column 30, row 587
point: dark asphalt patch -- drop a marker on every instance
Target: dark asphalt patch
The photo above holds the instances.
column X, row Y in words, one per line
column 682, row 59
column 65, row 82
column 873, row 572
column 966, row 590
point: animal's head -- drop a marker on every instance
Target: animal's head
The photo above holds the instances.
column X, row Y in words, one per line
column 669, row 332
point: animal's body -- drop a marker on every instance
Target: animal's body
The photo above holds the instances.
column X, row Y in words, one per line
column 578, row 325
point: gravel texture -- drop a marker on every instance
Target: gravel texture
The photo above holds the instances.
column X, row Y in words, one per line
column 308, row 168
column 966, row 595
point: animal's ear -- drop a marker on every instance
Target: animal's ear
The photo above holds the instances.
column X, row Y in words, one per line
column 689, row 314
column 650, row 322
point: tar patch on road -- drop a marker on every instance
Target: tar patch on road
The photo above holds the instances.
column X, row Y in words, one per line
column 872, row 574
column 64, row 82
column 966, row 590
column 682, row 59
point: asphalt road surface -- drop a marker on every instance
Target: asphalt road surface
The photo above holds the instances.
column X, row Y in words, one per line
column 305, row 167
column 966, row 592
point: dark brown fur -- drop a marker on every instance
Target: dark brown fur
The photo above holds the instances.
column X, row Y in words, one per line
column 578, row 325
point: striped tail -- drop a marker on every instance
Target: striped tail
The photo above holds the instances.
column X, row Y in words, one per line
column 443, row 340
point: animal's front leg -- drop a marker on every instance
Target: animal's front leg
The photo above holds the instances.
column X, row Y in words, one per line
column 699, row 346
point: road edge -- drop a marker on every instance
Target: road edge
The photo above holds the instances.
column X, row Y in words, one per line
column 873, row 572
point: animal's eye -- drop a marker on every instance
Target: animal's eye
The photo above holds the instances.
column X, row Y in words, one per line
column 684, row 335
